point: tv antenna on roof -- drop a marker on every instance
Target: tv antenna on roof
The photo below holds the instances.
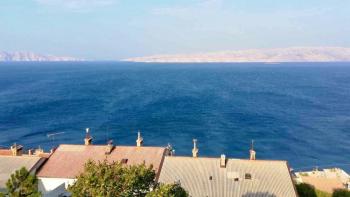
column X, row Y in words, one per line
column 252, row 145
column 53, row 135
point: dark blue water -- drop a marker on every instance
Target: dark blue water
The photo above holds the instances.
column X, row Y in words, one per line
column 296, row 112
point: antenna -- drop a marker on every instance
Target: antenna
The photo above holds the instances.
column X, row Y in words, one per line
column 53, row 135
column 194, row 143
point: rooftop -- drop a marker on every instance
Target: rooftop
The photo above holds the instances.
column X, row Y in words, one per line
column 325, row 180
column 204, row 177
column 68, row 160
column 9, row 164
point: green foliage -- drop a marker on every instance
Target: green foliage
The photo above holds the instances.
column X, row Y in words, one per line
column 168, row 190
column 22, row 184
column 320, row 193
column 103, row 179
column 306, row 190
column 341, row 193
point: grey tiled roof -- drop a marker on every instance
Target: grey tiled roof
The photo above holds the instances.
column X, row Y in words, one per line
column 203, row 177
column 9, row 164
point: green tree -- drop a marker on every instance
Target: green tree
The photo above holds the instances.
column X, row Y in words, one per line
column 105, row 179
column 306, row 190
column 22, row 184
column 341, row 193
column 168, row 190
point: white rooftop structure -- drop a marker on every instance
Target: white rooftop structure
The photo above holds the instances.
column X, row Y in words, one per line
column 203, row 177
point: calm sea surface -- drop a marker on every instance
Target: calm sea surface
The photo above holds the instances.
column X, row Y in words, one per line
column 298, row 112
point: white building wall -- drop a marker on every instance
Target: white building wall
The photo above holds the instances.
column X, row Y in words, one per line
column 54, row 187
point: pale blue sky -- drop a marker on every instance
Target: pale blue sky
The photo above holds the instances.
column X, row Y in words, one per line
column 115, row 29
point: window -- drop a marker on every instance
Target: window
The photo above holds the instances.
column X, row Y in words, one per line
column 210, row 178
column 124, row 161
column 236, row 179
column 248, row 176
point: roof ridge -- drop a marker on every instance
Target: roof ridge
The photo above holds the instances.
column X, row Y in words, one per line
column 102, row 145
column 240, row 159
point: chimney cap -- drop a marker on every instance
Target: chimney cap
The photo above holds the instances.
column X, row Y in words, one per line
column 17, row 146
column 87, row 133
column 88, row 138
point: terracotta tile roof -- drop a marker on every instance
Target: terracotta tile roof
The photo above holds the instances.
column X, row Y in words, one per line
column 5, row 152
column 325, row 180
column 204, row 177
column 324, row 184
column 68, row 160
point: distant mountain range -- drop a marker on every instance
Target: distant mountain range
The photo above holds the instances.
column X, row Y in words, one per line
column 29, row 56
column 294, row 54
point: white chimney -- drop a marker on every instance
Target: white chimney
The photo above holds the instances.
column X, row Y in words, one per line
column 39, row 151
column 139, row 140
column 252, row 153
column 223, row 161
column 88, row 138
column 195, row 149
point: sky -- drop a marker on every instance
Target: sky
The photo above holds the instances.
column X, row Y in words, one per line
column 118, row 29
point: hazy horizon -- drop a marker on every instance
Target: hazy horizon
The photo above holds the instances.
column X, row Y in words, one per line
column 118, row 29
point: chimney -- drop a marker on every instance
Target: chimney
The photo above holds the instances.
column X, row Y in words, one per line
column 252, row 152
column 30, row 152
column 195, row 149
column 88, row 138
column 39, row 151
column 139, row 140
column 223, row 161
column 109, row 147
column 170, row 151
column 16, row 150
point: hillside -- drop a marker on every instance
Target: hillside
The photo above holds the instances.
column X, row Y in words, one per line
column 29, row 56
column 295, row 54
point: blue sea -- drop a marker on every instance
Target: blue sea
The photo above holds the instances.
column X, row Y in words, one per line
column 298, row 112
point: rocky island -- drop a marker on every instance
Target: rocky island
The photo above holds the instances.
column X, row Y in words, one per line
column 293, row 54
column 29, row 56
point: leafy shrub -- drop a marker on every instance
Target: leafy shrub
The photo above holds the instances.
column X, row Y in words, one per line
column 306, row 190
column 341, row 193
